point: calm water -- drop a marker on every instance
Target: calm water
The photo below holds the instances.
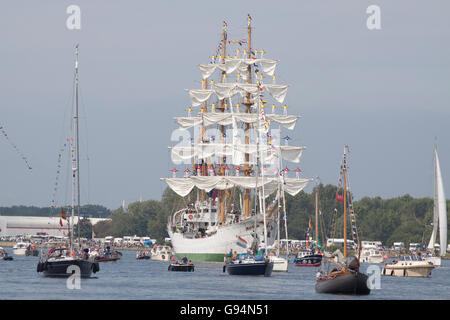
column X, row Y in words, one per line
column 146, row 279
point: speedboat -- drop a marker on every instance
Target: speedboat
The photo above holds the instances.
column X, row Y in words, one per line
column 58, row 262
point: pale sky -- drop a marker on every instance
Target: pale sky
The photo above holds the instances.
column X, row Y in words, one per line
column 384, row 92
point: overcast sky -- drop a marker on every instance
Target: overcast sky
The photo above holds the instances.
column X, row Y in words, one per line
column 384, row 92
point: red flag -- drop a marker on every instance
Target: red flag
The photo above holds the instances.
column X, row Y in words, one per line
column 339, row 197
column 60, row 222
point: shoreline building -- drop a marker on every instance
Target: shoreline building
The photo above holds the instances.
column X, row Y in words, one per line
column 28, row 225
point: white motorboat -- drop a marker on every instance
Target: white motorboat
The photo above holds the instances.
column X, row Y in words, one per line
column 161, row 253
column 20, row 248
column 371, row 256
column 408, row 268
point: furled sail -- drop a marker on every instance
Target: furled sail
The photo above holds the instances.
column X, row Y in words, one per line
column 225, row 119
column 183, row 186
column 236, row 151
column 228, row 90
column 231, row 65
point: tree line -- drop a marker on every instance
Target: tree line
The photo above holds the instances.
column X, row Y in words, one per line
column 401, row 219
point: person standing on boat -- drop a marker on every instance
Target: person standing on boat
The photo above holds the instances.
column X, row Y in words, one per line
column 262, row 247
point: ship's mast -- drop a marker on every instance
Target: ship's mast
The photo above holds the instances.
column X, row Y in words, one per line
column 317, row 215
column 345, row 209
column 248, row 104
column 75, row 160
column 222, row 128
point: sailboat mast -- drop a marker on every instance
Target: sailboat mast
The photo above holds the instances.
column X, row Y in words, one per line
column 77, row 145
column 317, row 215
column 222, row 128
column 248, row 104
column 345, row 209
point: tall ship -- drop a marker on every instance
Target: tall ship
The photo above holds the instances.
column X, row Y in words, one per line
column 231, row 155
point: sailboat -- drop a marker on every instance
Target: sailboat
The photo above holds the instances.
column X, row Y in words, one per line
column 229, row 212
column 60, row 262
column 439, row 215
column 309, row 257
column 346, row 278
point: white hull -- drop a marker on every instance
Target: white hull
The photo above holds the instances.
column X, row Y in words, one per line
column 408, row 269
column 436, row 261
column 279, row 264
column 19, row 252
column 161, row 257
column 222, row 241
column 372, row 259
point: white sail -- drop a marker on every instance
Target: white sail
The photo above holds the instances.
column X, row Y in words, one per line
column 439, row 209
column 183, row 186
column 240, row 65
column 225, row 119
column 236, row 152
column 442, row 208
column 228, row 90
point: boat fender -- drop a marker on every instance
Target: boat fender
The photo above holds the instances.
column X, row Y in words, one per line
column 224, row 268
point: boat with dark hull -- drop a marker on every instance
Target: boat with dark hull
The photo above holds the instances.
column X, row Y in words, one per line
column 59, row 266
column 254, row 268
column 345, row 278
column 343, row 282
column 311, row 260
column 181, row 267
column 63, row 262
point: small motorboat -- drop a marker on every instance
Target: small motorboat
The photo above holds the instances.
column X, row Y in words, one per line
column 142, row 255
column 307, row 258
column 181, row 265
column 108, row 256
column 4, row 255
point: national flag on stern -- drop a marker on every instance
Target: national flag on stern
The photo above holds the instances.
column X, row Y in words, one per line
column 241, row 242
column 60, row 222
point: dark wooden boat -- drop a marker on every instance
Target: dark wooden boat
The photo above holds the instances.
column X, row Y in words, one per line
column 109, row 257
column 343, row 282
column 7, row 258
column 143, row 257
column 346, row 279
column 181, row 267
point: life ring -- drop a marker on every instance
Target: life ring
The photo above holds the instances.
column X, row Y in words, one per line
column 190, row 216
